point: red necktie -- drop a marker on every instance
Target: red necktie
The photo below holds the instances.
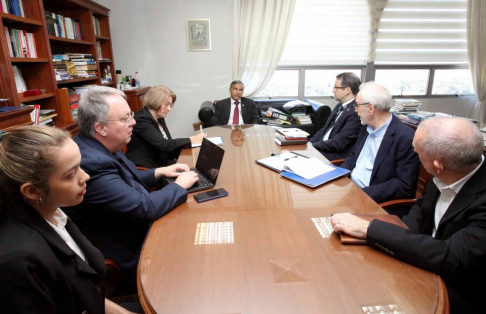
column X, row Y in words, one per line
column 236, row 114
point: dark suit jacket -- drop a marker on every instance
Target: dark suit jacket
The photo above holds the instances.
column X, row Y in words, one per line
column 222, row 112
column 40, row 273
column 115, row 215
column 396, row 167
column 457, row 252
column 148, row 148
column 343, row 134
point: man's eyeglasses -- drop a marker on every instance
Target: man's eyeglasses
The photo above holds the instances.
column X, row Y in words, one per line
column 127, row 119
column 337, row 87
column 356, row 105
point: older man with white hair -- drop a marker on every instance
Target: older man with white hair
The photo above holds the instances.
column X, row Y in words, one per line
column 447, row 226
column 382, row 161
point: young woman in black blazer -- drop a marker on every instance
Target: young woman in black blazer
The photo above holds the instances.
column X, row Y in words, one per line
column 46, row 264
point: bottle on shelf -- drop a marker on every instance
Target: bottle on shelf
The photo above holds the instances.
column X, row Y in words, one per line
column 137, row 80
column 118, row 79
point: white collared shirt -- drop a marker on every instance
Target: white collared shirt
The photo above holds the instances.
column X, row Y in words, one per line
column 326, row 137
column 61, row 221
column 361, row 174
column 448, row 194
column 232, row 110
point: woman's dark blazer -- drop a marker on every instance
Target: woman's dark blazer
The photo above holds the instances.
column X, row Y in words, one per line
column 39, row 273
column 148, row 148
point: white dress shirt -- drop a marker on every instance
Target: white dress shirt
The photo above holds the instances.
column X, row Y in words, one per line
column 448, row 194
column 232, row 110
column 61, row 220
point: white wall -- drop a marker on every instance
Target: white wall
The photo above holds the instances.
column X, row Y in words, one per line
column 150, row 37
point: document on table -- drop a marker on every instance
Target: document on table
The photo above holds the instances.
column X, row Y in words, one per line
column 218, row 140
column 307, row 168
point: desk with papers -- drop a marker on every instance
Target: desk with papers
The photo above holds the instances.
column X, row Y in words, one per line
column 266, row 248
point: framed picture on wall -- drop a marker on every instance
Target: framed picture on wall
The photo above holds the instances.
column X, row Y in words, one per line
column 198, row 35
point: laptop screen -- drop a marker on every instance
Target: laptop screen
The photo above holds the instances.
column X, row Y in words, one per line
column 209, row 160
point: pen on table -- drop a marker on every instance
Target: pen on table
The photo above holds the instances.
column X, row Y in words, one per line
column 290, row 158
column 299, row 154
column 200, row 128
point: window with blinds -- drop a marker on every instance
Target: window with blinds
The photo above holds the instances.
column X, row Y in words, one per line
column 329, row 31
column 420, row 32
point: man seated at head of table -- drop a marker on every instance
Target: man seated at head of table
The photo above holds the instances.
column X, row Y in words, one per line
column 383, row 162
column 236, row 109
column 337, row 137
column 447, row 226
column 119, row 207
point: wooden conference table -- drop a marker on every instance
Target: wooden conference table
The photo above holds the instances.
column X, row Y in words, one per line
column 277, row 261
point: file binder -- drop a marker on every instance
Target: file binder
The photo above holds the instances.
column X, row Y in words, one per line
column 319, row 180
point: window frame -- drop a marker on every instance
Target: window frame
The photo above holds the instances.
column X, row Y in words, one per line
column 368, row 71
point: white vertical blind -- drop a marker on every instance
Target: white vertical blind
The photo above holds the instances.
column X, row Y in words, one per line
column 329, row 31
column 420, row 32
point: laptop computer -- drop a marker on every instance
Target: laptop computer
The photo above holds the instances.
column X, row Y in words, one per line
column 207, row 166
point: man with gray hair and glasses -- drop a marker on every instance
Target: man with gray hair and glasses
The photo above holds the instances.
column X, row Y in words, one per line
column 447, row 227
column 119, row 206
column 383, row 162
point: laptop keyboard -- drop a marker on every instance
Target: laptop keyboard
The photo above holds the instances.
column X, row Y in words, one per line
column 203, row 182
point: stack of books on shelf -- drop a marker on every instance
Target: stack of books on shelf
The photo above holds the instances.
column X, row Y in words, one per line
column 14, row 7
column 407, row 105
column 278, row 117
column 64, row 70
column 20, row 43
column 304, row 119
column 61, row 26
column 84, row 63
column 42, row 116
column 291, row 136
column 46, row 115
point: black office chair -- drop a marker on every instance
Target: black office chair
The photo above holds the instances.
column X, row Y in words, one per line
column 206, row 111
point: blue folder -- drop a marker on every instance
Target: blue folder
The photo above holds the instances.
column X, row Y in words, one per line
column 317, row 181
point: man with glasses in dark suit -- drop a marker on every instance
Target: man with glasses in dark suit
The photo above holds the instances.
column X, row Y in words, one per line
column 119, row 207
column 341, row 130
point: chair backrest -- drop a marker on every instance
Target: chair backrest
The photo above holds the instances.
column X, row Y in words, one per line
column 205, row 113
column 423, row 180
column 337, row 162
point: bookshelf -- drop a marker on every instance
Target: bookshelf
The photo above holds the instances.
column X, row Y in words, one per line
column 38, row 73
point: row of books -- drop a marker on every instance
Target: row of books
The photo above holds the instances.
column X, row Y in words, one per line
column 61, row 26
column 20, row 43
column 96, row 24
column 73, row 100
column 14, row 7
